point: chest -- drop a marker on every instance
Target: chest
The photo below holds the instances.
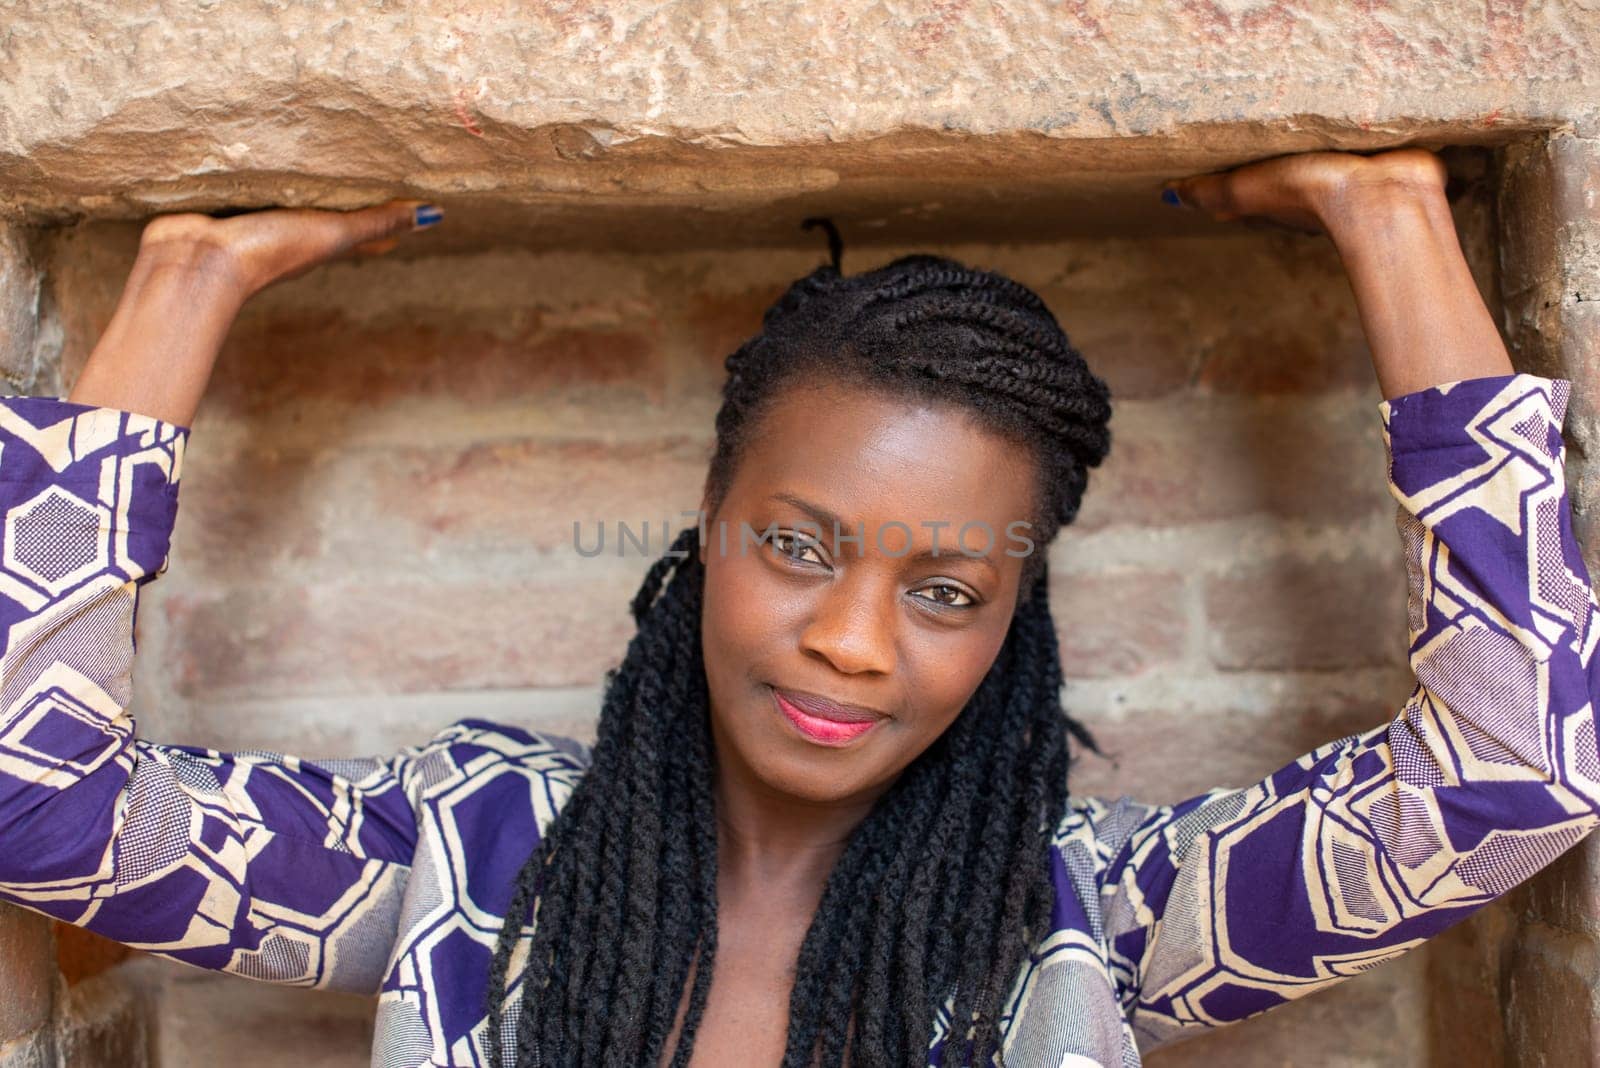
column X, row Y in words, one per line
column 746, row 1017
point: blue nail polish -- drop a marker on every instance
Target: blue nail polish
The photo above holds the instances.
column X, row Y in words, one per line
column 1170, row 196
column 426, row 215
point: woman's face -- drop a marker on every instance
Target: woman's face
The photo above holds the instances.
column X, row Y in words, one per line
column 899, row 625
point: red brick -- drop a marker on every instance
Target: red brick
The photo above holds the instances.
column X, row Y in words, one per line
column 1190, row 459
column 403, row 633
column 718, row 323
column 241, row 509
column 259, row 507
column 271, row 366
column 1118, row 623
column 1308, row 615
column 522, row 494
column 1288, row 358
column 1163, row 755
column 1136, row 350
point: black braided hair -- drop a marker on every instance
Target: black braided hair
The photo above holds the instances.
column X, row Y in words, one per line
column 944, row 888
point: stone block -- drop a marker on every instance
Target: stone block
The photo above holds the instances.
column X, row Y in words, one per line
column 1317, row 1029
column 684, row 122
column 27, row 972
column 104, row 1022
column 19, row 311
column 206, row 1016
column 37, row 1049
column 1553, row 1010
column 1466, row 1003
column 1575, row 203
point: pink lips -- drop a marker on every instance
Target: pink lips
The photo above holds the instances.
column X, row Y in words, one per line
column 824, row 722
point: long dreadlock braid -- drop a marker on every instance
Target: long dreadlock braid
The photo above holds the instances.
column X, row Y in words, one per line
column 943, row 889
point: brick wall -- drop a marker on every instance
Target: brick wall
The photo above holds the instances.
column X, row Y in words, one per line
column 376, row 534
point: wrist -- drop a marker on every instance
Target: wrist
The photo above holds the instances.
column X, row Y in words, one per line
column 209, row 270
column 1380, row 206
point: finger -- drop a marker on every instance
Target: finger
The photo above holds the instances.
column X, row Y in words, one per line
column 1205, row 192
column 375, row 248
column 388, row 220
column 338, row 233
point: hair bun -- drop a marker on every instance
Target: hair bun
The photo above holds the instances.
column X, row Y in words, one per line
column 835, row 242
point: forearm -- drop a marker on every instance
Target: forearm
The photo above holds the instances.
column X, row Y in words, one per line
column 1425, row 321
column 158, row 351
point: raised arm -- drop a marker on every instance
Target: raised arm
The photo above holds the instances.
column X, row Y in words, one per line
column 267, row 866
column 1425, row 321
column 193, row 274
column 1238, row 900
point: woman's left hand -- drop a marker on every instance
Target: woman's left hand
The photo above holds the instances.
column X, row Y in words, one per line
column 1305, row 191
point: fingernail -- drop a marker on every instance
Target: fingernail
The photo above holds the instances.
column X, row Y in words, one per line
column 426, row 215
column 1170, row 196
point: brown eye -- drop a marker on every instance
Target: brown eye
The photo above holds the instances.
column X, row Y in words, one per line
column 948, row 596
column 795, row 546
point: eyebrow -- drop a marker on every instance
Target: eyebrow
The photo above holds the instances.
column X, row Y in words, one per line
column 829, row 521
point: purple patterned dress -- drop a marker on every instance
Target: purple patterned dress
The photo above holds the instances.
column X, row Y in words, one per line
column 390, row 876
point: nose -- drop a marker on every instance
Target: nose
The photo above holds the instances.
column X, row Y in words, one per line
column 853, row 629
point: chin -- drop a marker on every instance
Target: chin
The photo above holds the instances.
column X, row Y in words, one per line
column 818, row 781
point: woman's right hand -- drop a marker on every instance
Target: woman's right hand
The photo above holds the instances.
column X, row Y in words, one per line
column 259, row 248
column 192, row 275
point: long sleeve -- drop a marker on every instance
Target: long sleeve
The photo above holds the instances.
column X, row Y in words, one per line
column 1238, row 900
column 254, row 863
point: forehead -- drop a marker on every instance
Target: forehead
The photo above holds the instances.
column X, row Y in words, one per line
column 872, row 456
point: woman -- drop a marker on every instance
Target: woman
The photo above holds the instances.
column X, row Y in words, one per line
column 826, row 818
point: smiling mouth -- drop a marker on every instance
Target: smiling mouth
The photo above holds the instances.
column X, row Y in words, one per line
column 823, row 721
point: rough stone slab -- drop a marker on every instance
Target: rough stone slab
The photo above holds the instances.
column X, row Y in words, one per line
column 1575, row 202
column 36, row 1050
column 259, row 1025
column 19, row 311
column 1555, row 1008
column 639, row 122
column 1549, row 207
column 27, row 972
column 103, row 1023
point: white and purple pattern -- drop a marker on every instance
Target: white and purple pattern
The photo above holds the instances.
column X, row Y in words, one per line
column 391, row 876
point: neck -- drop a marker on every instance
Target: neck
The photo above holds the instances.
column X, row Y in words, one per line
column 766, row 836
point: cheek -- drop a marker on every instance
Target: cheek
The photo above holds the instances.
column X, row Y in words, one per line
column 947, row 672
column 746, row 618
